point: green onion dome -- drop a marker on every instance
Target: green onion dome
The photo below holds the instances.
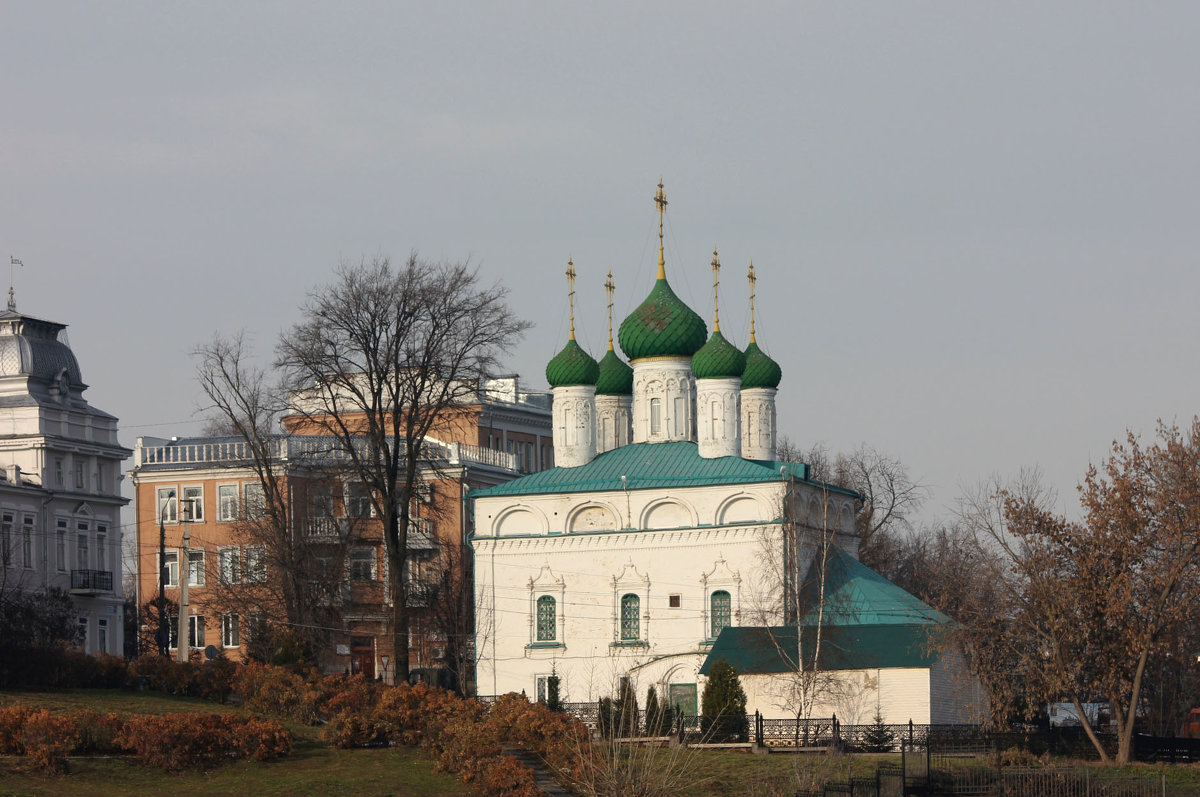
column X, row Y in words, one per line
column 761, row 370
column 718, row 359
column 616, row 377
column 662, row 326
column 572, row 366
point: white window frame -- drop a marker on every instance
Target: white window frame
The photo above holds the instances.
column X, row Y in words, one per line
column 254, row 564
column 8, row 539
column 358, row 504
column 169, row 503
column 254, row 500
column 60, row 544
column 172, row 565
column 102, row 635
column 27, row 522
column 229, row 564
column 230, row 631
column 80, row 474
column 196, row 571
column 101, row 556
column 195, row 494
column 195, row 631
column 357, row 556
column 229, row 502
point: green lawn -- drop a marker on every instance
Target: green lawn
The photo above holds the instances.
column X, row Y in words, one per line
column 312, row 769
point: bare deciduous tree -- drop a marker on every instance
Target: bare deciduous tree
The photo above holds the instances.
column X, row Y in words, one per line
column 381, row 353
column 890, row 496
column 1087, row 607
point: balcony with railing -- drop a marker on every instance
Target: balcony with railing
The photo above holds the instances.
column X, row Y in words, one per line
column 157, row 453
column 91, row 582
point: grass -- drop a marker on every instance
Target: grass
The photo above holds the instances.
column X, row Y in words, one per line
column 311, row 769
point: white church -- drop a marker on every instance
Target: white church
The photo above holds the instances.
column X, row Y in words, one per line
column 668, row 533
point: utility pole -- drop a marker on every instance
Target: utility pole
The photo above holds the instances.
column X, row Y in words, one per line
column 185, row 574
column 164, row 634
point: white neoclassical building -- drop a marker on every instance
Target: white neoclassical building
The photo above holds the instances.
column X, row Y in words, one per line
column 662, row 526
column 59, row 473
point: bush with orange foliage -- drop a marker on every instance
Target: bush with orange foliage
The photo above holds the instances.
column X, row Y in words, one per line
column 184, row 741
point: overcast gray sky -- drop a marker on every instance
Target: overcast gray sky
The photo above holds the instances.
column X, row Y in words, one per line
column 975, row 225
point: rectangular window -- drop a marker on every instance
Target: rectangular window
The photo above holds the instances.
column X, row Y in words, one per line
column 102, row 635
column 80, row 477
column 254, row 562
column 227, row 503
column 193, row 503
column 195, row 568
column 255, row 502
column 81, row 552
column 6, row 539
column 362, row 564
column 358, row 500
column 83, row 633
column 58, row 471
column 229, row 560
column 675, row 601
column 101, row 482
column 27, row 541
column 680, row 416
column 655, row 416
column 60, row 545
column 321, row 501
column 101, row 547
column 171, row 566
column 229, row 631
column 168, row 507
column 196, row 631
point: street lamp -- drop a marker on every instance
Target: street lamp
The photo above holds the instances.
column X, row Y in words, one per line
column 164, row 636
column 185, row 574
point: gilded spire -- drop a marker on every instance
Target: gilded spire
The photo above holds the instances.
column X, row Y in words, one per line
column 716, row 267
column 660, row 199
column 753, row 279
column 571, row 293
column 609, row 287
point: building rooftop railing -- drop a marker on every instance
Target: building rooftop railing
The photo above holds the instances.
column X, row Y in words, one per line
column 211, row 451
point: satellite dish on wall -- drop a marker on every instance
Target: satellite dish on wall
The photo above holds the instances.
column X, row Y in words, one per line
column 210, row 652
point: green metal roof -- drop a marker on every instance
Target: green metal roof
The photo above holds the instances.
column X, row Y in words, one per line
column 761, row 370
column 755, row 650
column 616, row 377
column 662, row 326
column 718, row 359
column 572, row 366
column 867, row 622
column 645, row 466
column 857, row 595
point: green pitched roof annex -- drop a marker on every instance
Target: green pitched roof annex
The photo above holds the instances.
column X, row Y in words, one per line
column 645, row 466
column 867, row 622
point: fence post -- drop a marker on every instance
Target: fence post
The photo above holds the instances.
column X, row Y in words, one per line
column 758, row 728
column 836, row 733
column 910, row 731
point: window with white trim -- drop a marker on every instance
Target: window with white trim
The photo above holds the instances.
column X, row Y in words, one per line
column 655, row 415
column 195, row 568
column 193, row 503
column 227, row 503
column 358, row 500
column 80, row 474
column 101, row 547
column 254, row 564
column 7, row 542
column 27, row 540
column 168, row 505
column 81, row 545
column 60, row 545
column 196, row 631
column 720, row 612
column 255, row 500
column 170, row 562
column 102, row 635
column 229, row 631
column 362, row 564
column 229, row 564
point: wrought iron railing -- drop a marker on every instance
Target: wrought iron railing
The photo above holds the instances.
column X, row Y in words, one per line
column 91, row 581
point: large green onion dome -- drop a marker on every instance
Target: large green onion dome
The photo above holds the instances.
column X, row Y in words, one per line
column 718, row 359
column 761, row 370
column 662, row 326
column 616, row 377
column 572, row 366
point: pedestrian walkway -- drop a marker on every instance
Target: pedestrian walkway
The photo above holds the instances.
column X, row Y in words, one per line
column 545, row 780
